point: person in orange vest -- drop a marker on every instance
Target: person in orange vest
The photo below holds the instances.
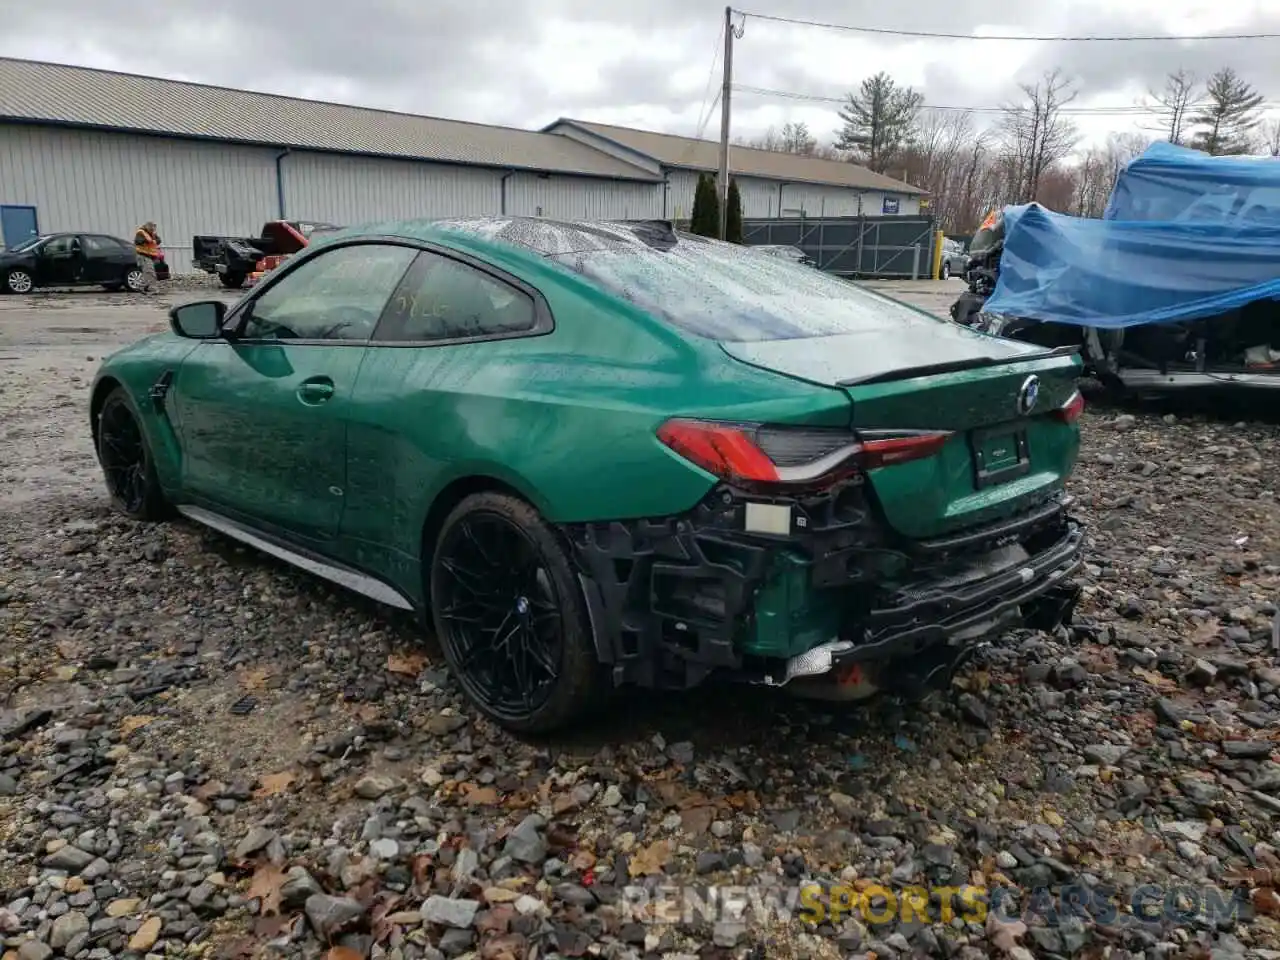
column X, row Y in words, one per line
column 146, row 245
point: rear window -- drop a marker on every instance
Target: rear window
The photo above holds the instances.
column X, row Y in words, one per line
column 731, row 294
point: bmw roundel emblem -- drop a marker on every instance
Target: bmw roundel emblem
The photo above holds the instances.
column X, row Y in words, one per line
column 1028, row 394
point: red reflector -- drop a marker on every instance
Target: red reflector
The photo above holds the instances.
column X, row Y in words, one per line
column 887, row 452
column 1070, row 411
column 720, row 449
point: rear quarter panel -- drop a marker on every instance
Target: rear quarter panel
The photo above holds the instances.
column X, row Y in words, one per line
column 568, row 419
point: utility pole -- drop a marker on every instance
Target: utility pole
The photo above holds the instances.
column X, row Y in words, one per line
column 724, row 123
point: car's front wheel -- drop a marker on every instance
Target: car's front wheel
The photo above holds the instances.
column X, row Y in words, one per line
column 19, row 281
column 510, row 616
column 127, row 464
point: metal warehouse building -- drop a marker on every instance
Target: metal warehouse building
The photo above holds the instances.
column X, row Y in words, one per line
column 84, row 149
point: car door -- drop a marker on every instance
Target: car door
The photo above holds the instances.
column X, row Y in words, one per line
column 103, row 262
column 59, row 262
column 263, row 416
column 429, row 398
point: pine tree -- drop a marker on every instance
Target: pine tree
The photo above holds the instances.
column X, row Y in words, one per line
column 879, row 121
column 705, row 220
column 1228, row 117
column 699, row 215
column 733, row 222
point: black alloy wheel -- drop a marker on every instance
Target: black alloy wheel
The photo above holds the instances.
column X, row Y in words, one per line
column 509, row 615
column 126, row 460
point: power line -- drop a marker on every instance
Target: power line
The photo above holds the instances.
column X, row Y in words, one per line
column 704, row 113
column 1042, row 39
column 1118, row 111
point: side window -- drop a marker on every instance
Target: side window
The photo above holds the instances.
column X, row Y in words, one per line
column 59, row 245
column 337, row 295
column 100, row 246
column 442, row 299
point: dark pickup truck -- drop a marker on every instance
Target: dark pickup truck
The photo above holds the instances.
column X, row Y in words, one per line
column 234, row 258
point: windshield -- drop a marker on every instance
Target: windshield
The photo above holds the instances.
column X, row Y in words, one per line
column 24, row 245
column 726, row 293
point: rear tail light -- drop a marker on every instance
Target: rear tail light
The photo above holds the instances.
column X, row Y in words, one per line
column 1070, row 411
column 746, row 453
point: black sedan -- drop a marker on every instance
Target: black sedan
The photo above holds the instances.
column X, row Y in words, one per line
column 73, row 260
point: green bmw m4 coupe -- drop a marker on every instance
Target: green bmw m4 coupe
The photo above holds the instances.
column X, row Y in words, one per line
column 594, row 455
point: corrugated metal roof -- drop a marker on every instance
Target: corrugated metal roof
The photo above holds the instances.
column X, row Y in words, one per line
column 676, row 151
column 55, row 93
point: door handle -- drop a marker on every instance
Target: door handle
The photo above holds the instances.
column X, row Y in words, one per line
column 315, row 391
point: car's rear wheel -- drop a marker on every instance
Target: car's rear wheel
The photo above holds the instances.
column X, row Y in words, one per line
column 127, row 464
column 19, row 281
column 510, row 615
column 232, row 281
column 133, row 280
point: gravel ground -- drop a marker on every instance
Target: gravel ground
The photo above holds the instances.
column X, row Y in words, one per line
column 204, row 753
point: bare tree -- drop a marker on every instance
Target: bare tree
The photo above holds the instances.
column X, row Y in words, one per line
column 1181, row 96
column 1096, row 172
column 950, row 158
column 1036, row 134
column 792, row 138
column 1271, row 136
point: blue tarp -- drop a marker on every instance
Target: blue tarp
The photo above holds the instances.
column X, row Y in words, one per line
column 1115, row 272
column 1174, row 183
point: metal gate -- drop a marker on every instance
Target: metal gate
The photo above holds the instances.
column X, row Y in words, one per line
column 862, row 247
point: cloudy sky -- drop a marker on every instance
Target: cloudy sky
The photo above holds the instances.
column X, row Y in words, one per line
column 647, row 64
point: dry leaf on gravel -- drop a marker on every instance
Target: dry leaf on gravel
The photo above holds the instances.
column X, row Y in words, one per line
column 343, row 953
column 209, row 791
column 1005, row 935
column 268, row 928
column 476, row 795
column 406, row 664
column 1207, row 632
column 266, row 883
column 697, row 820
column 254, row 679
column 1267, row 901
column 133, row 723
column 649, row 861
column 273, row 784
column 1157, row 680
column 241, row 948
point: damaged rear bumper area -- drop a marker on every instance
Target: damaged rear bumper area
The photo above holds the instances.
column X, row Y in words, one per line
column 835, row 601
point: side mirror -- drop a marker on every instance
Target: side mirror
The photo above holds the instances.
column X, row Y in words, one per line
column 198, row 321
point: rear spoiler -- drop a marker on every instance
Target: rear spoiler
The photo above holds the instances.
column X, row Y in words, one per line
column 954, row 366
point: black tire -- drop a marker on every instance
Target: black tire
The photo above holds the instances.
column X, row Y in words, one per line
column 127, row 464
column 232, row 281
column 19, row 281
column 510, row 554
column 133, row 280
column 946, row 270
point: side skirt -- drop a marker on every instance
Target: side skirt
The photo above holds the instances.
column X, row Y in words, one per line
column 337, row 573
